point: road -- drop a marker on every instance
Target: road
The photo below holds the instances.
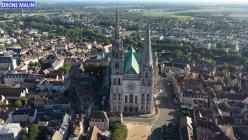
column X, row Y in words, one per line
column 165, row 108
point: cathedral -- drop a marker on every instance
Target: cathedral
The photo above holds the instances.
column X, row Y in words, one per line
column 132, row 75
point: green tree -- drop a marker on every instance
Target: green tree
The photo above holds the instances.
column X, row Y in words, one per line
column 119, row 132
column 33, row 131
column 23, row 137
column 227, row 80
column 67, row 67
column 18, row 61
column 18, row 103
column 23, row 99
column 178, row 53
column 23, row 42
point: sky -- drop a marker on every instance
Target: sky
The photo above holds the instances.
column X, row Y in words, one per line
column 167, row 1
column 193, row 1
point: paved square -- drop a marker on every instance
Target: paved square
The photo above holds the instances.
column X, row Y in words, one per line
column 138, row 131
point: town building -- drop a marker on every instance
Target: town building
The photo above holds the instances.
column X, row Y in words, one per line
column 10, row 131
column 99, row 119
column 7, row 63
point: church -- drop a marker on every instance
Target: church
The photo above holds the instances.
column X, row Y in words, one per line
column 132, row 75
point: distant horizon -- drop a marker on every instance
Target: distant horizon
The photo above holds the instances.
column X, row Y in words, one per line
column 210, row 2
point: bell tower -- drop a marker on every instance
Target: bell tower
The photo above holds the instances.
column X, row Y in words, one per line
column 116, row 70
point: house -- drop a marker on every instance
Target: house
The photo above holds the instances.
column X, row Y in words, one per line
column 52, row 85
column 55, row 74
column 77, row 127
column 7, row 63
column 10, row 131
column 205, row 127
column 186, row 128
column 209, row 131
column 178, row 63
column 63, row 131
column 13, row 93
column 61, row 47
column 70, row 61
column 190, row 99
column 31, row 83
column 107, row 48
column 24, row 115
column 115, row 117
column 87, row 46
column 57, row 64
column 38, row 101
column 13, row 79
column 3, row 104
column 94, row 133
column 99, row 119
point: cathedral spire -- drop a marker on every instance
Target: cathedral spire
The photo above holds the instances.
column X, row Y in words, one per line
column 147, row 55
column 116, row 44
column 117, row 30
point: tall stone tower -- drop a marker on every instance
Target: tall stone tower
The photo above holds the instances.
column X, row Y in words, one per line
column 116, row 70
column 147, row 72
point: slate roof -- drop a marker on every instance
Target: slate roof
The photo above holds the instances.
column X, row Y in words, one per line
column 98, row 116
column 11, row 92
column 5, row 60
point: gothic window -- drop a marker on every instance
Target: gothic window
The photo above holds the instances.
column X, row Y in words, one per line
column 114, row 96
column 143, row 81
column 136, row 99
column 113, row 54
column 126, row 99
column 131, row 98
column 119, row 81
column 125, row 109
column 147, row 97
column 119, row 97
column 114, row 81
column 143, row 96
column 116, row 65
column 136, row 109
column 146, row 75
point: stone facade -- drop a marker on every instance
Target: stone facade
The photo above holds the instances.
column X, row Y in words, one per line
column 131, row 77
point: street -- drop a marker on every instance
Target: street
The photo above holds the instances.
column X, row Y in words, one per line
column 165, row 109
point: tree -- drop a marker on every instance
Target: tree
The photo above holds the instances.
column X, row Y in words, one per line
column 33, row 131
column 23, row 137
column 119, row 132
column 67, row 67
column 178, row 53
column 227, row 80
column 24, row 42
column 18, row 103
column 18, row 61
column 23, row 99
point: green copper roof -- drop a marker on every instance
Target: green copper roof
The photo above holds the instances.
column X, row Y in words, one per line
column 131, row 61
column 133, row 50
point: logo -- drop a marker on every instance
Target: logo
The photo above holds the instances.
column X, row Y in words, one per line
column 18, row 4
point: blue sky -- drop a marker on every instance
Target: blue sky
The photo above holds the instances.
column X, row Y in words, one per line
column 167, row 1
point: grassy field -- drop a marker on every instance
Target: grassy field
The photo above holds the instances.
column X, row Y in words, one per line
column 163, row 13
column 194, row 13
